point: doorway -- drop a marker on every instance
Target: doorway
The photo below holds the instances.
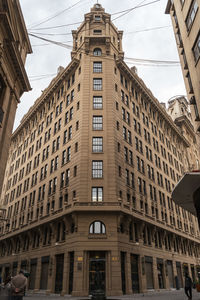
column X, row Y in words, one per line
column 97, row 272
column 71, row 271
column 134, row 273
column 59, row 273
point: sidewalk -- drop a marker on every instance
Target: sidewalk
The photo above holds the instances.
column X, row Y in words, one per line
column 157, row 295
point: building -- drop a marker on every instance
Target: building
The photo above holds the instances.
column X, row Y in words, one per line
column 14, row 47
column 89, row 178
column 185, row 17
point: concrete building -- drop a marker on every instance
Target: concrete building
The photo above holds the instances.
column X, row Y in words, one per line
column 89, row 178
column 185, row 17
column 14, row 47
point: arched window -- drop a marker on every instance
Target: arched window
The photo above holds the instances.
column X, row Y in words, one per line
column 97, row 227
column 97, row 52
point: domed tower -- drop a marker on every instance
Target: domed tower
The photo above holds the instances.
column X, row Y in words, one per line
column 97, row 30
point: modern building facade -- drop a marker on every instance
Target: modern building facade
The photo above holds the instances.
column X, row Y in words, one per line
column 14, row 47
column 185, row 17
column 89, row 178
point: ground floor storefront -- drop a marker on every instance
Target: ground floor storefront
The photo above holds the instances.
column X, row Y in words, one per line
column 100, row 251
column 114, row 272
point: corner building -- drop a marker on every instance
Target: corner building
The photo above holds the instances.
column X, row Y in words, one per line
column 89, row 179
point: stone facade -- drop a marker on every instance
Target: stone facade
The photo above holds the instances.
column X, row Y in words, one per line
column 185, row 17
column 14, row 47
column 89, row 179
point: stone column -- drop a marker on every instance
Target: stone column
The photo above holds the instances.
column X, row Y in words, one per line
column 52, row 274
column 116, row 284
column 78, row 274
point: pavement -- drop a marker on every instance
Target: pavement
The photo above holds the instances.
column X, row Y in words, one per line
column 157, row 295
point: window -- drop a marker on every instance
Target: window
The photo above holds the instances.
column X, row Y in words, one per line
column 97, row 123
column 97, row 31
column 97, row 102
column 97, row 227
column 191, row 15
column 97, row 66
column 189, row 83
column 97, row 52
column 97, row 144
column 97, row 169
column 196, row 48
column 97, row 18
column 97, row 84
column 97, row 194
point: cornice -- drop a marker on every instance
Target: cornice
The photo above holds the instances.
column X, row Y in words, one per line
column 11, row 49
column 45, row 95
column 23, row 25
column 140, row 83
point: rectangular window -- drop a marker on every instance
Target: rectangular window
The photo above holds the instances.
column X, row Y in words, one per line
column 97, row 84
column 97, row 18
column 69, row 153
column 97, row 123
column 97, row 66
column 97, row 169
column 191, row 15
column 196, row 48
column 97, row 194
column 97, row 102
column 97, row 144
column 97, row 31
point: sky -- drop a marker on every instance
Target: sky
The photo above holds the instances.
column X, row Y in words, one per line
column 148, row 35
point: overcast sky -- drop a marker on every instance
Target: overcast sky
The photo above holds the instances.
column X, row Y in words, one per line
column 156, row 44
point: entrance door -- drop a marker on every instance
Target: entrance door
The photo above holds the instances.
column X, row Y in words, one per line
column 44, row 273
column 134, row 273
column 170, row 274
column 149, row 274
column 123, row 272
column 97, row 272
column 71, row 271
column 160, row 275
column 179, row 274
column 59, row 273
column 32, row 276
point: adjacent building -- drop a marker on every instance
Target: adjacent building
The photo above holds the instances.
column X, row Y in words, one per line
column 89, row 178
column 14, row 47
column 185, row 17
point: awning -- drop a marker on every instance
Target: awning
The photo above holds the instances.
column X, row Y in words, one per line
column 184, row 190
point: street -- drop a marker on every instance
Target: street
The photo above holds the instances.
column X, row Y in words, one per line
column 163, row 295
